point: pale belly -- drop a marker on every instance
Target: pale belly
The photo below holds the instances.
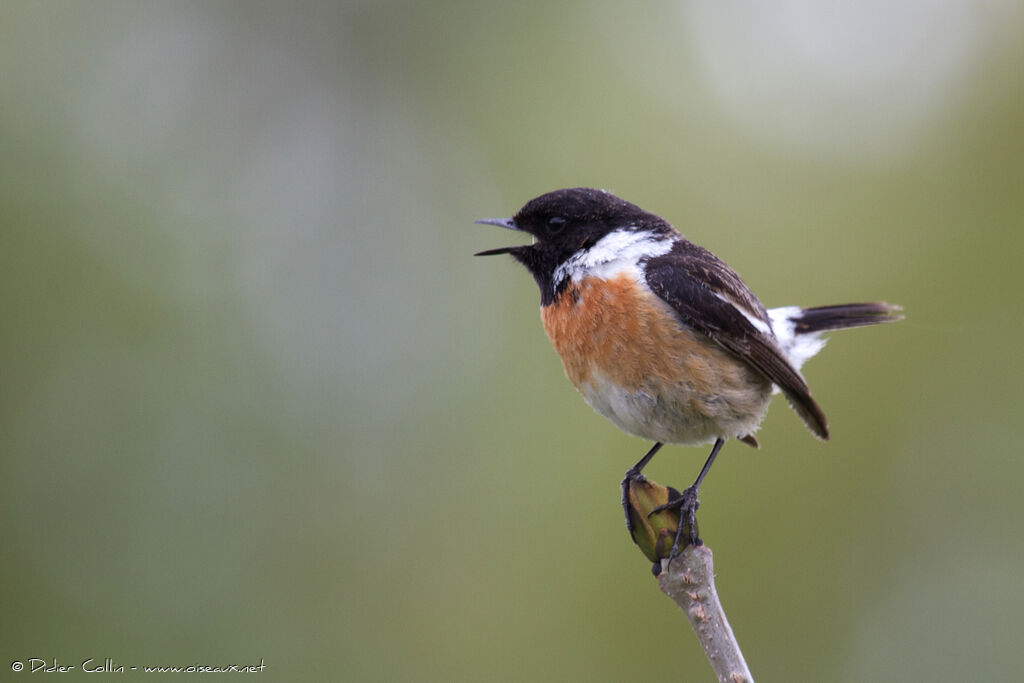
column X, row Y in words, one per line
column 678, row 413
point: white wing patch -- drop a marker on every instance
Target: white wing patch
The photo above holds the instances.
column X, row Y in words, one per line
column 618, row 251
column 761, row 325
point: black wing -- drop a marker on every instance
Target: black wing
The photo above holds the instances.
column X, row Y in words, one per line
column 711, row 298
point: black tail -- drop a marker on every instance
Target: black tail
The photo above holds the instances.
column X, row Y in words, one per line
column 845, row 315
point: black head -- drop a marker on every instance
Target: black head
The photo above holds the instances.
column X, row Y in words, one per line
column 566, row 222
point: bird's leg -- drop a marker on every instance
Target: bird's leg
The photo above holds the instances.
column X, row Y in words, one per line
column 687, row 504
column 637, row 468
column 632, row 474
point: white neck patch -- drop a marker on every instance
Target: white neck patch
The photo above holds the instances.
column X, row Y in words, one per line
column 614, row 253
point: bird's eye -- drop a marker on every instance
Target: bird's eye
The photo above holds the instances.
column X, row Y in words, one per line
column 556, row 224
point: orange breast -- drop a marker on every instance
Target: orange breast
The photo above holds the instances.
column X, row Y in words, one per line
column 636, row 363
column 622, row 330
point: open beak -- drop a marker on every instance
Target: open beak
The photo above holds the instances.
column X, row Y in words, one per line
column 506, row 223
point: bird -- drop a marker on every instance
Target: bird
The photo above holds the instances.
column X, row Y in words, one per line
column 660, row 336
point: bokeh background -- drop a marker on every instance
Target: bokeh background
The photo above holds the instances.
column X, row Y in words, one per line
column 258, row 401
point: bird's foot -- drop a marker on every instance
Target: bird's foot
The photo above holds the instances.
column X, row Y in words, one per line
column 633, row 475
column 686, row 504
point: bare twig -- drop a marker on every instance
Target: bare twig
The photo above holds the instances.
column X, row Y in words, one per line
column 690, row 581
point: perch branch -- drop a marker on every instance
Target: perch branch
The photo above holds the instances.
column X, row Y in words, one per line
column 690, row 581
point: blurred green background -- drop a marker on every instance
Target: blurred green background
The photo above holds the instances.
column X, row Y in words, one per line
column 258, row 401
